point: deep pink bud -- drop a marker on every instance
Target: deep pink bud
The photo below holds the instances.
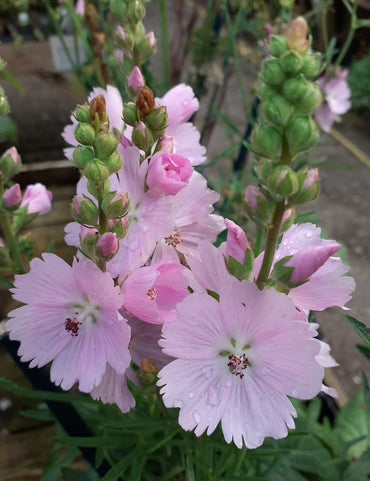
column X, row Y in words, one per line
column 13, row 153
column 168, row 173
column 236, row 242
column 311, row 178
column 38, row 199
column 12, row 196
column 135, row 79
column 166, row 143
column 251, row 197
column 108, row 243
column 77, row 203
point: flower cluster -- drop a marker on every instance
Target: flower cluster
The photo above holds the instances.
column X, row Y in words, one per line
column 225, row 330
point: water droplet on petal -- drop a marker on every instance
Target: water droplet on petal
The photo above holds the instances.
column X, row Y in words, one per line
column 196, row 416
column 191, row 395
column 178, row 403
column 295, row 393
column 213, row 398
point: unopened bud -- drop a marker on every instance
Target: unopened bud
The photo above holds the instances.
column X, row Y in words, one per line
column 145, row 101
column 115, row 206
column 10, row 163
column 82, row 156
column 86, row 211
column 108, row 244
column 259, row 207
column 135, row 11
column 277, row 45
column 12, row 196
column 96, row 171
column 291, row 62
column 272, row 72
column 85, row 134
column 311, row 66
column 114, row 162
column 302, row 133
column 4, row 105
column 266, row 141
column 105, row 144
column 130, row 114
column 283, row 183
column 309, row 190
column 277, row 110
column 82, row 114
column 88, row 238
column 295, row 89
column 287, row 220
column 152, row 41
column 142, row 137
column 119, row 227
column 98, row 106
column 296, row 34
column 311, row 99
column 135, row 79
column 157, row 121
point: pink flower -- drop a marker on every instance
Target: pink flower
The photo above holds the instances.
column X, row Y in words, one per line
column 166, row 143
column 135, row 79
column 80, row 7
column 37, row 198
column 151, row 37
column 236, row 242
column 168, row 173
column 152, row 292
column 12, row 196
column 181, row 105
column 312, row 259
column 108, row 243
column 336, row 99
column 236, row 362
column 192, row 209
column 70, row 318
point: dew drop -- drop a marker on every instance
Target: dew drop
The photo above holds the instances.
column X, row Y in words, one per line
column 178, row 403
column 295, row 393
column 191, row 395
column 213, row 399
column 196, row 416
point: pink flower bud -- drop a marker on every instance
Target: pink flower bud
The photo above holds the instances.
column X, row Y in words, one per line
column 311, row 178
column 80, row 7
column 108, row 243
column 296, row 34
column 135, row 79
column 236, row 242
column 13, row 154
column 38, row 199
column 286, row 215
column 251, row 197
column 12, row 196
column 122, row 197
column 125, row 142
column 166, row 143
column 76, row 201
column 152, row 40
column 85, row 231
column 168, row 173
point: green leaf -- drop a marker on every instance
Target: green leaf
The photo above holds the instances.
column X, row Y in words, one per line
column 41, row 415
column 366, row 389
column 8, row 130
column 364, row 350
column 119, row 468
column 78, row 475
column 360, row 469
column 95, row 441
column 361, row 329
column 11, row 386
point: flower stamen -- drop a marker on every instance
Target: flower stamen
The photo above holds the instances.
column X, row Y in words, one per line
column 237, row 364
column 152, row 294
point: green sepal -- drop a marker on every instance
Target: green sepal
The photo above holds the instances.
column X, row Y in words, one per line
column 85, row 133
column 291, row 62
column 295, row 89
column 266, row 141
column 281, row 275
column 214, row 294
column 21, row 218
column 239, row 270
column 82, row 114
column 272, row 73
column 82, row 156
column 105, row 144
column 277, row 45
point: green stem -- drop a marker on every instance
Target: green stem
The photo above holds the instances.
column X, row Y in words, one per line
column 324, row 27
column 274, row 229
column 259, row 240
column 165, row 51
column 103, row 225
column 11, row 243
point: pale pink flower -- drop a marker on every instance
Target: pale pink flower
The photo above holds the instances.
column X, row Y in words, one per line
column 181, row 104
column 336, row 99
column 166, row 143
column 1, row 242
column 114, row 107
column 236, row 362
column 191, row 213
column 13, row 195
column 152, row 40
column 135, row 79
column 312, row 259
column 80, row 7
column 152, row 292
column 37, row 198
column 168, row 173
column 70, row 319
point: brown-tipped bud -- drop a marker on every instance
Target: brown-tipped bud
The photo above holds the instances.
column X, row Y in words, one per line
column 97, row 106
column 145, row 101
column 296, row 35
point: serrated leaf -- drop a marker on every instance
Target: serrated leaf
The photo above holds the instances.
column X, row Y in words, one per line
column 360, row 328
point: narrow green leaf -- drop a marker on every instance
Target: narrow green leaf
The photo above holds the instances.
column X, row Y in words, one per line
column 364, row 350
column 119, row 468
column 360, row 328
column 360, row 469
column 95, row 441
